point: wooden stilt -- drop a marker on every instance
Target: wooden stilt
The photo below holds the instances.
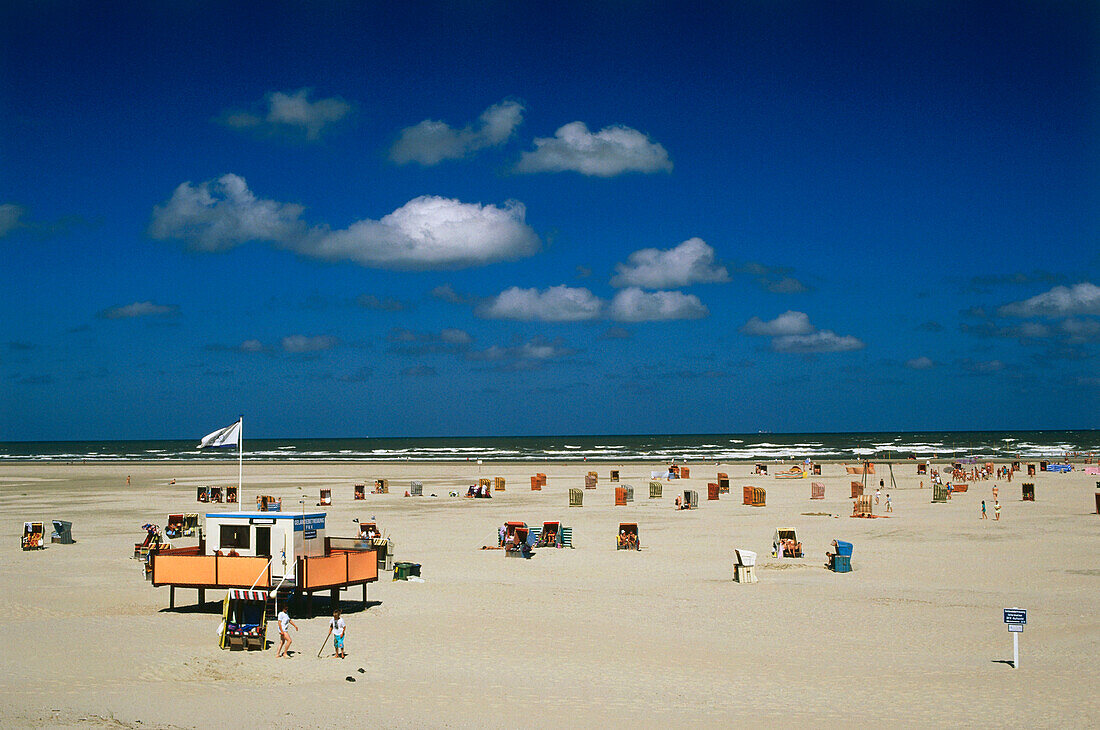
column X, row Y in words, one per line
column 171, row 596
column 334, row 600
column 202, row 596
column 364, row 595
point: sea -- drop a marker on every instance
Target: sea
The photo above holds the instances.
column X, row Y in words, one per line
column 639, row 448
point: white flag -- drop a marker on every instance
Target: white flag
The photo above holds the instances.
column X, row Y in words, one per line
column 228, row 436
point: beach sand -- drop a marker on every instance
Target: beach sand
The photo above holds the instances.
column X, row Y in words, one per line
column 583, row 637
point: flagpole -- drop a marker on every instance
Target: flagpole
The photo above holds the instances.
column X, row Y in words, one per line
column 240, row 463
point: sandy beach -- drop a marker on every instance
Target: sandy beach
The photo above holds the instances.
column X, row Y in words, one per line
column 585, row 637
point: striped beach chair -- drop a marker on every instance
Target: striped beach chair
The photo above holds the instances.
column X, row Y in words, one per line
column 416, row 489
column 533, row 536
column 576, row 497
column 629, row 492
column 817, row 490
column 655, row 490
column 567, row 537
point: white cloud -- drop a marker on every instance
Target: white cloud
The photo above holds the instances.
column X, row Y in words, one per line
column 218, row 215
column 1061, row 301
column 820, row 341
column 611, row 151
column 292, row 112
column 302, row 343
column 635, row 305
column 1081, row 330
column 428, row 232
column 430, row 142
column 556, row 304
column 251, row 346
column 138, row 309
column 691, row 262
column 920, row 363
column 10, row 213
column 788, row 323
column 538, row 348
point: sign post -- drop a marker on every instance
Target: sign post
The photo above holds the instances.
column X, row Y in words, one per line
column 1016, row 618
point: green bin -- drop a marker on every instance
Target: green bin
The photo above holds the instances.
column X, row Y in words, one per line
column 404, row 571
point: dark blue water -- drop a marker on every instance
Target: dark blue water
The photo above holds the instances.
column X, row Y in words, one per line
column 724, row 447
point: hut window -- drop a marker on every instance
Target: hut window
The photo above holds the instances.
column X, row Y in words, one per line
column 234, row 536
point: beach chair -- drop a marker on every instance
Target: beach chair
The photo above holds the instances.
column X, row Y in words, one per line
column 416, row 489
column 567, row 537
column 216, row 494
column 785, row 543
column 360, row 491
column 959, row 487
column 815, row 469
column 1015, row 466
column 1031, row 470
column 939, row 494
column 498, row 484
column 1043, row 465
column 629, row 493
column 231, row 495
column 381, row 486
column 576, row 497
column 759, row 497
column 691, row 499
column 244, row 620
column 326, row 498
column 549, row 535
column 33, row 536
column 627, row 537
column 863, row 506
column 190, row 524
column 762, row 469
column 1028, row 492
column 655, row 490
column 174, row 527
column 369, row 531
column 535, row 485
column 746, row 496
column 744, row 567
column 857, row 489
column 839, row 560
column 614, row 476
column 817, row 490
column 202, row 494
column 723, row 483
column 712, row 491
column 685, row 472
column 590, row 481
column 620, row 497
column 534, row 534
column 922, row 469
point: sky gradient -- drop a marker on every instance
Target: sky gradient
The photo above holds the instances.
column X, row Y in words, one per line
column 546, row 218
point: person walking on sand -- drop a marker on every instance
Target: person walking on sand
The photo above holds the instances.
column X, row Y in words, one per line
column 984, row 515
column 337, row 628
column 996, row 511
column 888, row 507
column 284, row 633
column 878, row 493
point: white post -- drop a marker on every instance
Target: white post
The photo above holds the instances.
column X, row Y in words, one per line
column 1016, row 650
column 240, row 464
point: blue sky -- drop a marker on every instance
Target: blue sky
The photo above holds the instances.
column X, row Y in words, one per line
column 531, row 218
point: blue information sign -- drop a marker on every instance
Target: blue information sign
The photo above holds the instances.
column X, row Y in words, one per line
column 1015, row 615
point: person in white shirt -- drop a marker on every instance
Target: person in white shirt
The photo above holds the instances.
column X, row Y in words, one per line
column 337, row 628
column 284, row 633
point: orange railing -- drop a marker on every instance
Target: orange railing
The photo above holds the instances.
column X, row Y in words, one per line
column 341, row 568
column 180, row 568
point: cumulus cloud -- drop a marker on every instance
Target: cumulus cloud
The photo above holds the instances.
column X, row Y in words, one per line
column 775, row 279
column 635, row 305
column 419, row 371
column 611, row 151
column 430, row 142
column 10, row 213
column 221, row 214
column 428, row 232
column 981, row 367
column 788, row 323
column 783, row 285
column 920, row 363
column 691, row 262
column 791, row 332
column 820, row 341
column 556, row 304
column 446, row 293
column 539, row 348
column 1061, row 301
column 298, row 344
column 409, row 342
column 138, row 309
column 291, row 113
column 385, row 304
